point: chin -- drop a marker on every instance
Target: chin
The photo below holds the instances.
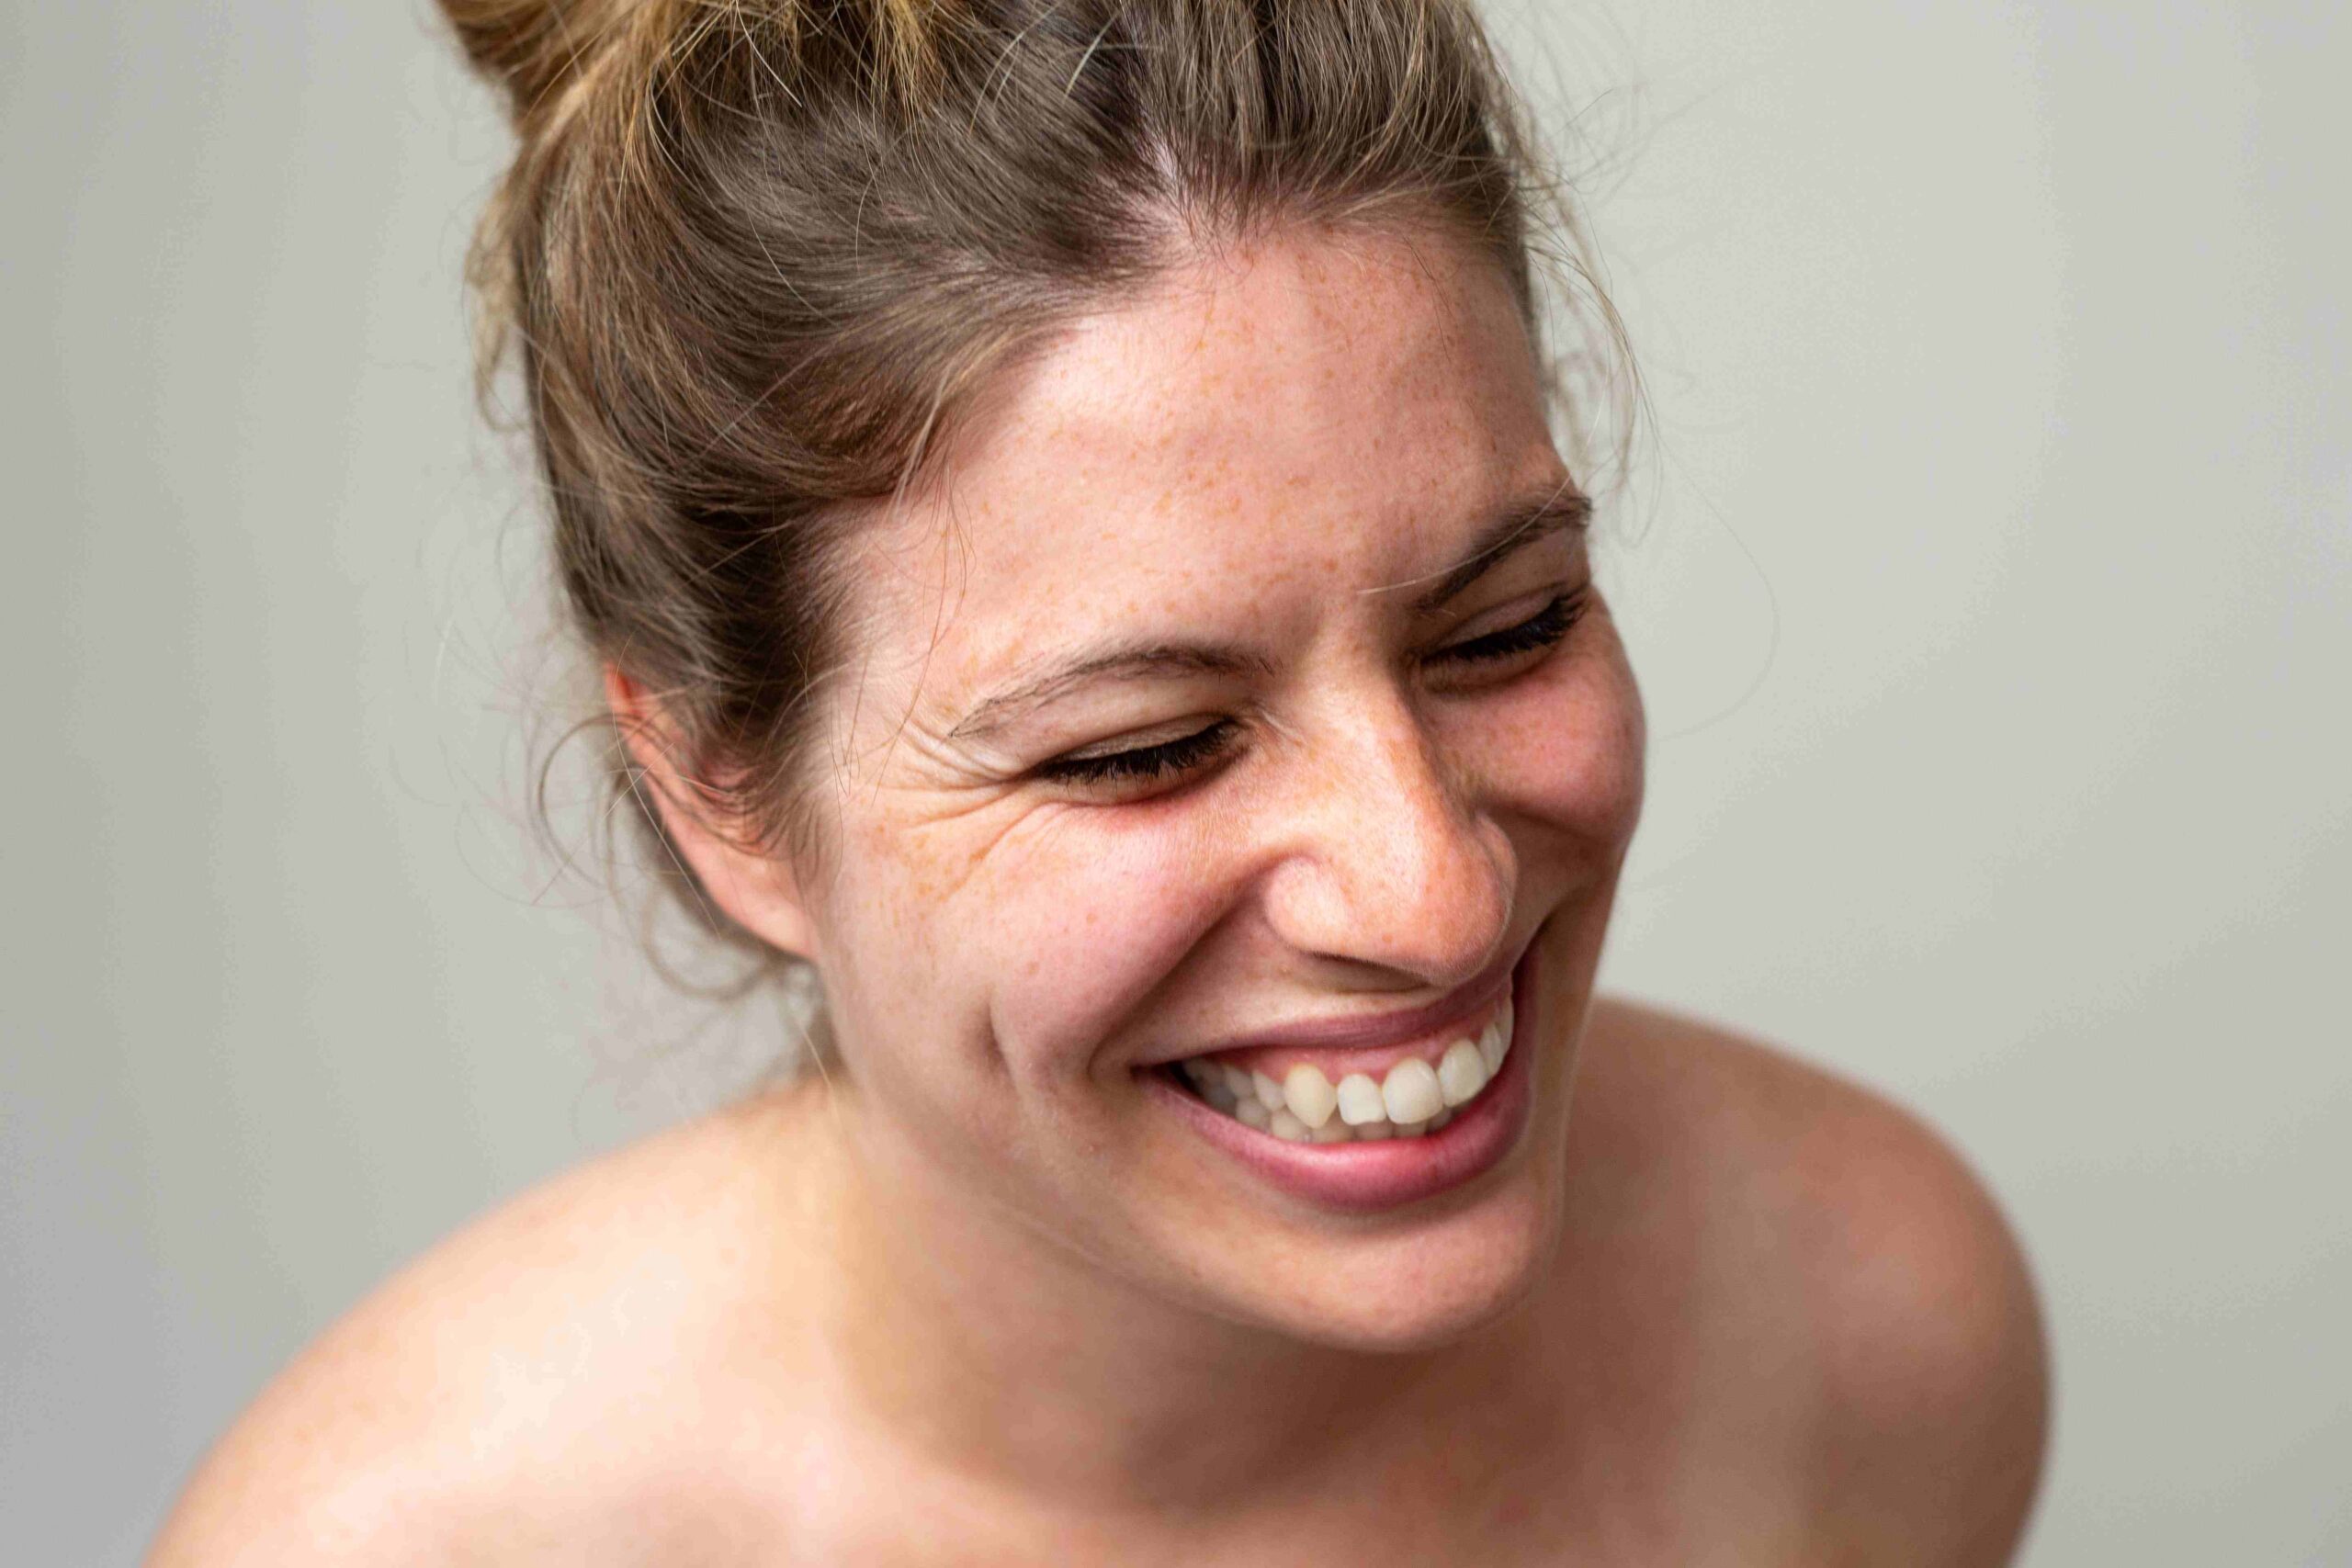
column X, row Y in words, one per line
column 1396, row 1284
column 1424, row 1290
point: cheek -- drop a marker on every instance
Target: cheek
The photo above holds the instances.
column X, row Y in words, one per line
column 1567, row 750
column 1042, row 947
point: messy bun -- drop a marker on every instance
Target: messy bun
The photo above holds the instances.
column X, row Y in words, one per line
column 754, row 257
column 533, row 47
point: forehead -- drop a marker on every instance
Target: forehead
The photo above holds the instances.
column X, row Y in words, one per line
column 1307, row 412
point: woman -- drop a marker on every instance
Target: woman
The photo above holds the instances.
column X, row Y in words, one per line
column 1065, row 499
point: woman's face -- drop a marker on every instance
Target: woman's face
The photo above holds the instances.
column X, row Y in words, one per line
column 1240, row 696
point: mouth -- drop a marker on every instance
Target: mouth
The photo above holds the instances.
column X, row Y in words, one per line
column 1414, row 1091
column 1365, row 1126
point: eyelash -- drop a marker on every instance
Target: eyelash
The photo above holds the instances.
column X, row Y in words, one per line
column 1548, row 626
column 1144, row 763
column 1170, row 758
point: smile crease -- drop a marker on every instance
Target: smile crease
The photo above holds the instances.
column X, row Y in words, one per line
column 1414, row 1096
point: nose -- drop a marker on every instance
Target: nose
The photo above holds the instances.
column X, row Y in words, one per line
column 1385, row 859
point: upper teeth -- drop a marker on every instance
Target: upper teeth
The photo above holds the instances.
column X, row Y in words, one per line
column 1411, row 1098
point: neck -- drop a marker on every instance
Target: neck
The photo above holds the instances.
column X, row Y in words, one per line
column 1010, row 1356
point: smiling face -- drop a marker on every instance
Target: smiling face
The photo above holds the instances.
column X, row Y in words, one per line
column 1239, row 696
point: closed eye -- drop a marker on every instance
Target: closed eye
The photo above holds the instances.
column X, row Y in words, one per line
column 1544, row 629
column 1137, row 769
column 1142, row 764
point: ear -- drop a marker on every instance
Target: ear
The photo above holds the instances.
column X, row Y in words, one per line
column 756, row 889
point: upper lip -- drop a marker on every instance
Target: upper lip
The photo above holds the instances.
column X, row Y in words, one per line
column 1362, row 1030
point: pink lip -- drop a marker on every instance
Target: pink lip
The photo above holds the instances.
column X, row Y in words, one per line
column 1368, row 1178
column 1370, row 1031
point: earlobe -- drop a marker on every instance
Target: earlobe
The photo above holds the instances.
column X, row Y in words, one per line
column 752, row 886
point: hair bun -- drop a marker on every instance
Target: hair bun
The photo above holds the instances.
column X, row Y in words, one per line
column 533, row 47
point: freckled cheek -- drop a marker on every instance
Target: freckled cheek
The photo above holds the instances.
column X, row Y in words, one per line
column 1045, row 945
column 887, row 958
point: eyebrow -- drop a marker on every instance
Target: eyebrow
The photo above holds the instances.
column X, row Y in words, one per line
column 1518, row 527
column 1125, row 662
column 1566, row 509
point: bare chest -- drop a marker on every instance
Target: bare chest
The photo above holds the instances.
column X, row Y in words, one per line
column 1668, row 1460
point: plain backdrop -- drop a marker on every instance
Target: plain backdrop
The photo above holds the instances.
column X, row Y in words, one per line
column 1990, row 578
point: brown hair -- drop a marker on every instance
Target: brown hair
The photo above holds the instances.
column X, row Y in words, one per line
column 757, row 255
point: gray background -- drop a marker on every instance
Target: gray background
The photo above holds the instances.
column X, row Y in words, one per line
column 1991, row 580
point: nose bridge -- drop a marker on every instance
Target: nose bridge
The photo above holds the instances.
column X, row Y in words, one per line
column 1400, row 867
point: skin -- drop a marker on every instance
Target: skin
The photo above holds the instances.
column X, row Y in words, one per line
column 979, row 1296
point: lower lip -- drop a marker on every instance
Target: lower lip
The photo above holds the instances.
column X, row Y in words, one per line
column 1392, row 1172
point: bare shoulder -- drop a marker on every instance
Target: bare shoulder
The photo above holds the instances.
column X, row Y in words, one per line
column 1914, row 1349
column 529, row 1390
